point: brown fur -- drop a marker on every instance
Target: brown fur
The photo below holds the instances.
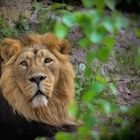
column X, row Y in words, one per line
column 60, row 78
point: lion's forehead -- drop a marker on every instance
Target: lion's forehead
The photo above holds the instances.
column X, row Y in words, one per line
column 31, row 53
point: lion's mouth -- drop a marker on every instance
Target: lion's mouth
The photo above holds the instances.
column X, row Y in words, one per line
column 39, row 99
column 39, row 92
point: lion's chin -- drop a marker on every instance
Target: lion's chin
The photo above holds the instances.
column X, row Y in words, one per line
column 39, row 100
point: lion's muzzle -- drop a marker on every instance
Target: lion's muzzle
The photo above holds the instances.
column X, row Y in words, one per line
column 37, row 79
column 39, row 98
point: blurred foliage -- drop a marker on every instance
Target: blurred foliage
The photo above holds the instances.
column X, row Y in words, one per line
column 5, row 30
column 96, row 96
column 96, row 105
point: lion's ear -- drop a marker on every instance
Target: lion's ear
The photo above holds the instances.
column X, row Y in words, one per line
column 51, row 41
column 64, row 46
column 8, row 48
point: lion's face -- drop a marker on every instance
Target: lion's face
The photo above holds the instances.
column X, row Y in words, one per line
column 36, row 71
column 37, row 77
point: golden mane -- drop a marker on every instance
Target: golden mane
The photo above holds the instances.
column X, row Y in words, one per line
column 56, row 111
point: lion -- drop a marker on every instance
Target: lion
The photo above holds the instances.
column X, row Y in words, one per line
column 37, row 78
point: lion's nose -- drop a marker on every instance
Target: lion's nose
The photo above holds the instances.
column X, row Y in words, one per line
column 37, row 79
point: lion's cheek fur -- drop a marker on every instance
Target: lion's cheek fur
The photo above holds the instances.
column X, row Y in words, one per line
column 55, row 112
column 12, row 94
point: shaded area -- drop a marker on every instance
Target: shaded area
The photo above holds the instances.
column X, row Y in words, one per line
column 16, row 127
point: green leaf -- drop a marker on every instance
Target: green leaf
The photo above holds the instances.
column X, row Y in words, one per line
column 88, row 71
column 63, row 136
column 68, row 20
column 108, row 24
column 137, row 57
column 90, row 121
column 100, row 79
column 106, row 106
column 97, row 86
column 62, row 12
column 137, row 33
column 100, row 4
column 73, row 109
column 40, row 138
column 135, row 111
column 96, row 37
column 88, row 96
column 83, row 18
column 60, row 30
column 37, row 5
column 90, row 57
column 109, row 42
column 90, row 106
column 88, row 3
column 111, row 4
column 83, row 131
column 103, row 105
column 103, row 54
column 95, row 135
column 113, row 89
column 120, row 22
column 84, row 43
column 57, row 6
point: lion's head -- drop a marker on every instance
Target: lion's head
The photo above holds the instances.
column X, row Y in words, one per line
column 37, row 78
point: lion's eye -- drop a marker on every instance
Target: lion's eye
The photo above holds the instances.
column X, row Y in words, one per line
column 48, row 60
column 24, row 63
